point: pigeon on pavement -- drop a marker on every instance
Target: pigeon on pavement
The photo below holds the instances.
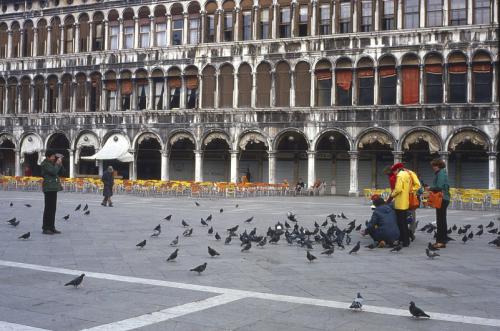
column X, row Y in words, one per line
column 417, row 312
column 212, row 252
column 141, row 244
column 310, row 257
column 431, row 255
column 175, row 241
column 173, row 256
column 357, row 303
column 355, row 249
column 75, row 282
column 25, row 236
column 199, row 269
column 217, row 236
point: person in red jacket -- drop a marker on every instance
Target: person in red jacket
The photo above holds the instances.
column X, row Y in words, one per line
column 392, row 180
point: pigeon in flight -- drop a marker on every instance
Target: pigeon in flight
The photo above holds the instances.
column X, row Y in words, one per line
column 417, row 312
column 141, row 244
column 310, row 257
column 357, row 303
column 78, row 207
column 87, row 213
column 199, row 269
column 173, row 256
column 430, row 255
column 168, row 217
column 247, row 246
column 175, row 241
column 355, row 249
column 27, row 205
column 25, row 236
column 212, row 252
column 217, row 236
column 233, row 229
column 75, row 282
column 249, row 220
column 86, row 207
column 184, row 224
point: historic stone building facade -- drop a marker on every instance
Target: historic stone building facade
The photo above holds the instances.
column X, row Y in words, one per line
column 328, row 90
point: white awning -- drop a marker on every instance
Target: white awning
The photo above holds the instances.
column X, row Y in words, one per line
column 115, row 148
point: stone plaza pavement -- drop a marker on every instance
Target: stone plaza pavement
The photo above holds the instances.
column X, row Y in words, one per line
column 270, row 288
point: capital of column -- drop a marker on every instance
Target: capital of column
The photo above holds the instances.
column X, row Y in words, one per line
column 443, row 153
column 131, row 151
column 198, row 152
column 234, row 152
column 271, row 154
column 397, row 153
column 10, row 32
column 311, row 153
column 353, row 154
column 164, row 153
column 492, row 155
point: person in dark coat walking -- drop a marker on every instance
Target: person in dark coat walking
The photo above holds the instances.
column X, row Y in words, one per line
column 51, row 167
column 383, row 226
column 108, row 180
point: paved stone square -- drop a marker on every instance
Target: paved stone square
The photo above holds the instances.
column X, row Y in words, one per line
column 270, row 288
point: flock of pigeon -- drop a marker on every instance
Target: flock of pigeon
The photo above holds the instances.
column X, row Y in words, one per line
column 328, row 234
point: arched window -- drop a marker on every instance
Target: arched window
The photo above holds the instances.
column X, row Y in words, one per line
column 246, row 21
column 191, row 78
column 3, row 40
column 110, row 86
column 302, row 84
column 263, row 85
column 433, row 77
column 128, row 28
column 28, row 38
column 177, row 24
column 283, row 85
column 16, row 40
column 194, row 23
column 211, row 21
column 410, row 79
column 11, row 95
column 457, row 78
column 42, row 38
column 98, row 30
column 366, row 12
column 285, row 19
column 434, row 15
column 244, row 85
column 160, row 26
column 142, row 89
column 55, row 35
column 482, row 12
column 114, row 30
column 208, row 76
column 25, row 95
column 458, row 12
column 343, row 77
column 80, row 92
column 95, row 92
column 323, row 74
column 387, row 80
column 158, row 89
column 66, row 81
column 125, row 90
column 228, row 20
column 83, row 40
column 482, row 77
column 52, row 94
column 174, row 81
column 69, row 34
column 144, row 28
column 365, row 75
column 265, row 19
column 39, row 95
column 226, row 86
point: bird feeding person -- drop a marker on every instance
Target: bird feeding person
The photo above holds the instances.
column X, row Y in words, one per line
column 382, row 227
column 51, row 167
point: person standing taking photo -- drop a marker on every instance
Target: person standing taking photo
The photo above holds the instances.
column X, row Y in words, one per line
column 441, row 184
column 51, row 167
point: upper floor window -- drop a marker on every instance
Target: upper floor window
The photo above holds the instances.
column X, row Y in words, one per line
column 366, row 16
column 177, row 27
column 228, row 26
column 114, row 30
column 411, row 14
column 98, row 42
column 264, row 23
column 210, row 37
column 194, row 30
column 345, row 17
column 388, row 15
column 285, row 22
column 247, row 25
column 324, row 19
column 128, row 37
column 303, row 20
column 144, row 35
column 434, row 13
column 161, row 34
column 458, row 12
column 481, row 11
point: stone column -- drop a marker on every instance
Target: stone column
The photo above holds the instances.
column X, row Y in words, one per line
column 353, row 179
column 236, row 25
column 200, row 89
column 219, row 17
column 311, row 168
column 235, row 90
column 492, row 171
column 216, row 96
column 18, row 107
column 185, row 29
column 354, row 87
column 169, row 29
column 120, row 35
column 136, row 32
column 334, row 17
column 72, row 107
column 100, row 164
column 495, row 11
column 313, row 88
column 445, row 13
column 133, row 97
column 469, row 83
column 355, row 19
column 164, row 166
column 444, row 156
column 182, row 103
column 375, row 85
column 9, row 44
column 398, row 86
column 376, row 17
column 152, row 34
column 48, row 49
column 59, row 103
column 17, row 163
column 22, row 41
column 398, row 156
column 273, row 88
column 34, row 49
column 150, row 101
column 255, row 20
column 421, row 85
column 422, row 13
column 61, row 39
column 203, row 15
column 76, row 47
column 31, row 107
column 314, row 18
column 234, row 166
column 274, row 26
column 272, row 167
column 106, row 35
column 71, row 163
column 198, row 165
column 253, row 93
column 494, row 94
column 292, row 88
column 133, row 166
column 294, row 8
column 469, row 12
column 399, row 14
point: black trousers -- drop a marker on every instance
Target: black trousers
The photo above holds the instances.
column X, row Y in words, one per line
column 442, row 225
column 404, row 235
column 49, row 211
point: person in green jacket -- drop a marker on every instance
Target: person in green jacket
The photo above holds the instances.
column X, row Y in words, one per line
column 440, row 184
column 51, row 167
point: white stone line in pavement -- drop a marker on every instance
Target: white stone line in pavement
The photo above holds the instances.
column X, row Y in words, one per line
column 166, row 314
column 6, row 326
column 257, row 295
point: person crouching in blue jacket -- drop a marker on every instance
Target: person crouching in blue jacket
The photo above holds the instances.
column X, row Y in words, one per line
column 383, row 226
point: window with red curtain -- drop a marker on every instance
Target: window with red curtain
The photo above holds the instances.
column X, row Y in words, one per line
column 433, row 83
column 387, row 82
column 410, row 80
column 343, row 88
column 482, row 78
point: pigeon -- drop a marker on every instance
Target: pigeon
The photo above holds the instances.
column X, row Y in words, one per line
column 12, row 221
column 173, row 256
column 467, row 226
column 431, row 255
column 465, row 238
column 287, row 225
column 490, row 225
column 355, row 249
column 141, row 244
column 15, row 223
column 158, row 228
column 236, row 206
column 328, row 252
column 175, row 241
column 155, row 234
column 27, row 205
column 233, row 229
column 495, row 242
column 75, row 282
column 87, row 213
column 168, row 218
column 249, row 220
column 184, row 224
column 325, row 223
column 357, row 303
column 217, row 236
column 432, row 248
column 247, row 247
column 212, row 252
column 188, row 232
column 343, row 216
column 263, row 242
column 480, row 226
column 199, row 269
column 211, row 230
column 11, row 204
column 228, row 240
column 480, row 232
column 25, row 236
column 493, row 231
column 359, row 227
column 78, row 207
column 221, row 210
column 66, row 217
column 454, row 227
column 417, row 312
column 203, row 223
column 86, row 207
column 310, row 257
column 470, row 236
column 397, row 248
column 197, row 204
column 209, row 218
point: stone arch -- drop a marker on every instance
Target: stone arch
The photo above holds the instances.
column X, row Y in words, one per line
column 277, row 138
column 212, row 135
column 8, row 147
column 86, row 143
column 324, row 132
column 148, row 147
column 112, row 132
column 31, row 143
column 371, row 135
column 53, row 134
column 6, row 136
column 467, row 134
column 181, row 134
column 251, row 136
column 145, row 135
column 421, row 134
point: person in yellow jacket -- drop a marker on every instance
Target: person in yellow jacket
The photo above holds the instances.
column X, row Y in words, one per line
column 401, row 198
